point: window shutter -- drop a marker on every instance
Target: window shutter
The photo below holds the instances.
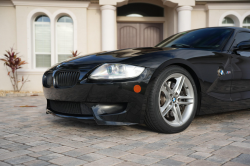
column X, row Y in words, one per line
column 62, row 57
column 42, row 45
column 64, row 38
column 43, row 60
column 42, row 38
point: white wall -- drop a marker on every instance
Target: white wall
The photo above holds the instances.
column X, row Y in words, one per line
column 199, row 17
column 214, row 16
column 8, row 39
column 171, row 21
column 217, row 11
column 94, row 29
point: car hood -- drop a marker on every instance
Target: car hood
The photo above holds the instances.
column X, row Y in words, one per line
column 118, row 56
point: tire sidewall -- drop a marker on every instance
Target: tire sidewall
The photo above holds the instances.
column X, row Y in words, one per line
column 165, row 127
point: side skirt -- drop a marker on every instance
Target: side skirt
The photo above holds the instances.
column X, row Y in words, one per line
column 211, row 105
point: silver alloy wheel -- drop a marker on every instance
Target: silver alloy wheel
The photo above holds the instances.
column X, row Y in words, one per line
column 176, row 99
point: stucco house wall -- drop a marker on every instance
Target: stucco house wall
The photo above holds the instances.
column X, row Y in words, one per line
column 199, row 17
column 8, row 39
column 94, row 29
column 217, row 11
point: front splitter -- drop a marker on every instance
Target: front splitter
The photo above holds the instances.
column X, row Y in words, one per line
column 96, row 117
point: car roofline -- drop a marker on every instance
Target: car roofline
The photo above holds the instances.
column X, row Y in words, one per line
column 228, row 27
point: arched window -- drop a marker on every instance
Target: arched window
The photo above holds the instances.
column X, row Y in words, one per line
column 42, row 41
column 64, row 37
column 140, row 10
column 246, row 22
column 227, row 21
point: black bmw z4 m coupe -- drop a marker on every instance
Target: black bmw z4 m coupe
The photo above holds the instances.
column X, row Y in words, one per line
column 190, row 73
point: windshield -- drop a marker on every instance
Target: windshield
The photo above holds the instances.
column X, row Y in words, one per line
column 209, row 38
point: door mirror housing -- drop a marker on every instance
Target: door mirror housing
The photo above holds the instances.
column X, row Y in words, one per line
column 244, row 45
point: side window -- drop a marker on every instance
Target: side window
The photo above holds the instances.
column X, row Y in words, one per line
column 210, row 38
column 242, row 36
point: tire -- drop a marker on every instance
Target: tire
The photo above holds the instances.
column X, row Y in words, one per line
column 171, row 108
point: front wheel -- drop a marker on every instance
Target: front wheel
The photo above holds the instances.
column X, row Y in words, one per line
column 173, row 101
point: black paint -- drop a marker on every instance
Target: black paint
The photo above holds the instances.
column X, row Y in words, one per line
column 218, row 93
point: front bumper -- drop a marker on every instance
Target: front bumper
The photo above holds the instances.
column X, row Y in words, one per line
column 103, row 114
column 108, row 103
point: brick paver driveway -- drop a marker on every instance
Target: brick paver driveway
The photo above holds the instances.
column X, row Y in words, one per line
column 30, row 137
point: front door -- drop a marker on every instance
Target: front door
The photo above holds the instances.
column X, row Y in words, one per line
column 131, row 35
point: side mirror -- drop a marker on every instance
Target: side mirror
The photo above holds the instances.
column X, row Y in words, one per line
column 244, row 45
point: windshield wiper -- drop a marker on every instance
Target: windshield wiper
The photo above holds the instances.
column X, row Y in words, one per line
column 181, row 46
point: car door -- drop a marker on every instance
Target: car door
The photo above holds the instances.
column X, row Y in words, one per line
column 240, row 62
column 214, row 68
column 213, row 65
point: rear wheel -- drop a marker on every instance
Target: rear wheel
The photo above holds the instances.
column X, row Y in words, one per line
column 172, row 101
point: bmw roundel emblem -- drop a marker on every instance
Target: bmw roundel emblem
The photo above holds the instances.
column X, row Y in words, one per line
column 221, row 72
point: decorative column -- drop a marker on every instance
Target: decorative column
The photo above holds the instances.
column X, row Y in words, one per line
column 108, row 27
column 184, row 18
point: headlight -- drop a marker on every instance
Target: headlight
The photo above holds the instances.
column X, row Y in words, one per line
column 116, row 71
